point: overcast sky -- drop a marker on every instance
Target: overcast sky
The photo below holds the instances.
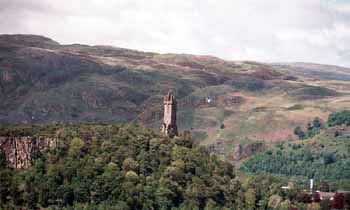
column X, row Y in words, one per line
column 260, row 30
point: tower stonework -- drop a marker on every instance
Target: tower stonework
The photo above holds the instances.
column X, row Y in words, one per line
column 169, row 126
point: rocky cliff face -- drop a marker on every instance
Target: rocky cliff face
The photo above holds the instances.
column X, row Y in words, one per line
column 20, row 150
column 236, row 152
column 240, row 152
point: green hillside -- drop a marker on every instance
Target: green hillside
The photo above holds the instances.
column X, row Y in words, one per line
column 323, row 158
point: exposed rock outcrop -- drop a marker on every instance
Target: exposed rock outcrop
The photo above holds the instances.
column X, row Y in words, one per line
column 218, row 148
column 20, row 150
column 235, row 152
column 240, row 152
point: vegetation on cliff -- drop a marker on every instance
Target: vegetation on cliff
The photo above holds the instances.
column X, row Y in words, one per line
column 112, row 167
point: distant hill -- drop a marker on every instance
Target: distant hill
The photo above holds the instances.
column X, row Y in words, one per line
column 43, row 82
column 326, row 72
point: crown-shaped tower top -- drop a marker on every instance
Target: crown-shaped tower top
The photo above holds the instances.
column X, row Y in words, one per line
column 169, row 98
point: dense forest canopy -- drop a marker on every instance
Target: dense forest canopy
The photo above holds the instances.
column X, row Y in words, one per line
column 130, row 167
column 301, row 159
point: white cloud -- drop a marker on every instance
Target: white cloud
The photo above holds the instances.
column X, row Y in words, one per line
column 269, row 30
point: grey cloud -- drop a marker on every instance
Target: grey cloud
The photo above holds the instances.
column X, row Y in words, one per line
column 269, row 30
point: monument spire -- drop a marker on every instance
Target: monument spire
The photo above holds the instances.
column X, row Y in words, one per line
column 169, row 126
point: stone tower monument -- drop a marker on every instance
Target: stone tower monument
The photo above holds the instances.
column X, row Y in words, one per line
column 169, row 126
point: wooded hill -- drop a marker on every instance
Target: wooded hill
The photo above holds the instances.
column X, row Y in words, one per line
column 130, row 167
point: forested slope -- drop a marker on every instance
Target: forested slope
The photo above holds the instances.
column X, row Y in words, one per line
column 322, row 153
column 130, row 167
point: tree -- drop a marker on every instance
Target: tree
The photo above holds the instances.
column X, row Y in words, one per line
column 314, row 127
column 329, row 158
column 317, row 123
column 76, row 146
column 250, row 197
column 130, row 164
column 313, row 206
column 285, row 205
column 222, row 126
column 2, row 160
column 5, row 186
column 176, row 171
column 164, row 198
column 299, row 132
column 211, row 205
column 339, row 118
column 274, row 201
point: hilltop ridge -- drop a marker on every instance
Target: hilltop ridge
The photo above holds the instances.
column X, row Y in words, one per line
column 44, row 82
